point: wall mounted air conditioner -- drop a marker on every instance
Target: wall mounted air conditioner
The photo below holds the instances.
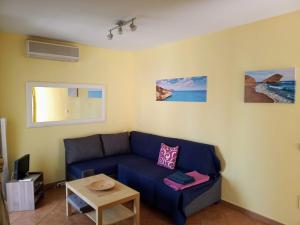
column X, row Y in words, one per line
column 45, row 50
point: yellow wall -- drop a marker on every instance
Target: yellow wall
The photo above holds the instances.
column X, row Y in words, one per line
column 259, row 142
column 96, row 66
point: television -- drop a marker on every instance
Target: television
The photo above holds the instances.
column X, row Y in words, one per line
column 21, row 167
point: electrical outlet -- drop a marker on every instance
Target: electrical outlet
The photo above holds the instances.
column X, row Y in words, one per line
column 60, row 184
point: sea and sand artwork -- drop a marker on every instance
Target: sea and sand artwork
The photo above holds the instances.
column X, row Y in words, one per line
column 270, row 86
column 188, row 89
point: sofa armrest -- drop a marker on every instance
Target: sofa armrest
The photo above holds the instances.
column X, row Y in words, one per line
column 211, row 196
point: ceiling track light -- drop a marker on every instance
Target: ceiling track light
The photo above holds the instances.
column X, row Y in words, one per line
column 132, row 26
column 120, row 30
column 110, row 35
column 119, row 26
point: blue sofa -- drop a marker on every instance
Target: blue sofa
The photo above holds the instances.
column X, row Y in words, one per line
column 135, row 165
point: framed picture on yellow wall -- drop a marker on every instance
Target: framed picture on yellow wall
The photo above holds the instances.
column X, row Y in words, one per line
column 270, row 86
column 187, row 89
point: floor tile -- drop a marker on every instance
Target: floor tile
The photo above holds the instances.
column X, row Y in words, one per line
column 51, row 211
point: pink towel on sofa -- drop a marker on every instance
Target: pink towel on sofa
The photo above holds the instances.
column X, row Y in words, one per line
column 199, row 179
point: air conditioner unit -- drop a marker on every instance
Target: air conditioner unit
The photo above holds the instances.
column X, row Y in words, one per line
column 45, row 50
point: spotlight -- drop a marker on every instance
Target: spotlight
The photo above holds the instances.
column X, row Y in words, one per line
column 110, row 36
column 132, row 26
column 119, row 27
column 120, row 30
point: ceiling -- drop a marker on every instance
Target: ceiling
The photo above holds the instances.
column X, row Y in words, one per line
column 158, row 21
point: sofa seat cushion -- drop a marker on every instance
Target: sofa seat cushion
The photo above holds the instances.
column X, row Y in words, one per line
column 146, row 168
column 107, row 165
column 143, row 175
column 146, row 177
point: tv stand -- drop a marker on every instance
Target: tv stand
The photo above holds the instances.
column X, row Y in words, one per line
column 24, row 194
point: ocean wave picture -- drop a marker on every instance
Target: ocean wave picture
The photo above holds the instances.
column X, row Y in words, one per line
column 189, row 89
column 270, row 86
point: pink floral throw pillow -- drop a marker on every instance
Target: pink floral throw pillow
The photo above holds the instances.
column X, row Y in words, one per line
column 167, row 156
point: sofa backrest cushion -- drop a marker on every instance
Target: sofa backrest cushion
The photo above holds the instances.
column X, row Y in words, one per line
column 191, row 156
column 146, row 145
column 115, row 144
column 84, row 148
column 198, row 156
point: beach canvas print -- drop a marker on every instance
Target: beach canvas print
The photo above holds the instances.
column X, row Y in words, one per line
column 270, row 86
column 190, row 89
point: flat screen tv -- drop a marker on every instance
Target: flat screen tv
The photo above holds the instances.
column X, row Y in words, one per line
column 21, row 167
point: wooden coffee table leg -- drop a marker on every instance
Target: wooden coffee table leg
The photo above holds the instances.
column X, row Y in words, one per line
column 136, row 210
column 99, row 217
column 68, row 206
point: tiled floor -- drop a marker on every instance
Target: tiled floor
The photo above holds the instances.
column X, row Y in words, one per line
column 51, row 211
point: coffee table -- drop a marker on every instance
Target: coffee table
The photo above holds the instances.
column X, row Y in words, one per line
column 108, row 205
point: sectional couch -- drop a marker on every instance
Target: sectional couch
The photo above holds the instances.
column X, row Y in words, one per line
column 132, row 159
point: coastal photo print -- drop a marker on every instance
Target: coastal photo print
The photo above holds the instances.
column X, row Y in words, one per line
column 270, row 86
column 189, row 89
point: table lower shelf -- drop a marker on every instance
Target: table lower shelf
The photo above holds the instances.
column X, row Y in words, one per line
column 112, row 215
